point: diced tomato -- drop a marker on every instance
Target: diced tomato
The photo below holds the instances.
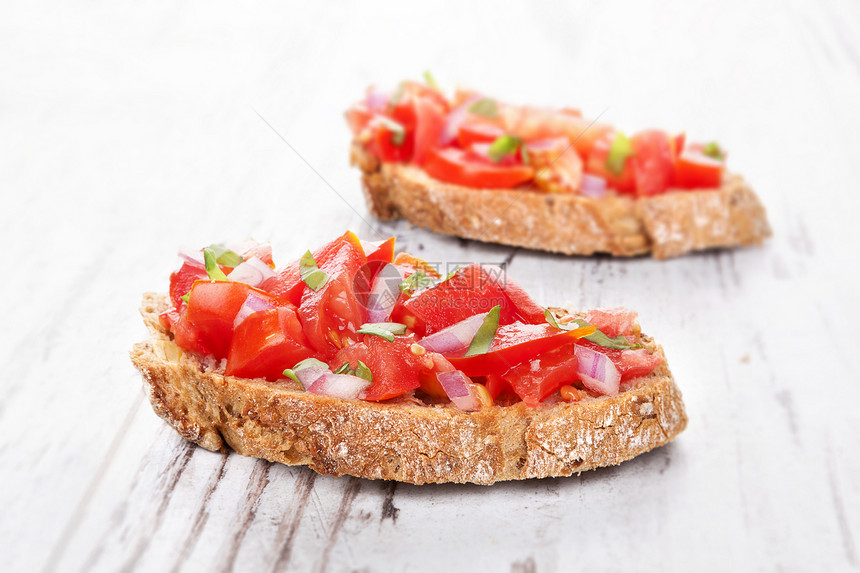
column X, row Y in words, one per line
column 384, row 252
column 497, row 386
column 410, row 264
column 535, row 379
column 612, row 321
column 630, row 363
column 429, row 379
column 596, row 165
column 212, row 307
column 652, row 162
column 394, row 367
column 413, row 90
column 472, row 132
column 188, row 336
column 430, row 122
column 533, row 123
column 695, row 170
column 267, row 342
column 472, row 290
column 388, row 150
column 513, row 344
column 169, row 317
column 457, row 166
column 331, row 315
column 287, row 283
column 181, row 281
column 678, row 143
column 358, row 116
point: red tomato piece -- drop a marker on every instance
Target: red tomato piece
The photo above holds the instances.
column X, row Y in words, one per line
column 430, row 122
column 394, row 367
column 534, row 123
column 212, row 307
column 188, row 336
column 331, row 315
column 498, row 386
column 182, row 280
column 630, row 363
column 678, row 143
column 267, row 342
column 596, row 165
column 357, row 117
column 612, row 321
column 652, row 162
column 513, row 344
column 458, row 166
column 472, row 132
column 287, row 283
column 695, row 170
column 537, row 378
column 384, row 252
column 472, row 290
column 388, row 147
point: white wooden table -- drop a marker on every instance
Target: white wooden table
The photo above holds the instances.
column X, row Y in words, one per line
column 128, row 130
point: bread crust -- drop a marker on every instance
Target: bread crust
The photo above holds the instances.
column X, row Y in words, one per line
column 665, row 225
column 401, row 441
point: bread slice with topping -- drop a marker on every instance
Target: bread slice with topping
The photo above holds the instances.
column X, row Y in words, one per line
column 403, row 439
column 665, row 225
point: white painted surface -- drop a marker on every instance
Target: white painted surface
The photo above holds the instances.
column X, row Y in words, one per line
column 127, row 130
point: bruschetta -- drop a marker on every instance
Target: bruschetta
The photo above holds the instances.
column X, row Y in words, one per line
column 352, row 360
column 552, row 180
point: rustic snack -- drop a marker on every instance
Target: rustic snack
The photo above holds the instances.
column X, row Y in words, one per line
column 357, row 362
column 545, row 179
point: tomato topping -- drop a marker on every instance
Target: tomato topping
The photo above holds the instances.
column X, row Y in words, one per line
column 430, row 122
column 695, row 170
column 393, row 146
column 472, row 132
column 652, row 162
column 182, row 280
column 535, row 379
column 394, row 367
column 513, row 344
column 383, row 253
column 472, row 290
column 357, row 117
column 630, row 363
column 596, row 165
column 612, row 321
column 212, row 307
column 458, row 166
column 678, row 143
column 267, row 342
column 331, row 315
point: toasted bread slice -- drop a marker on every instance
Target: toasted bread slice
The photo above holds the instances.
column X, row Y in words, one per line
column 665, row 225
column 401, row 440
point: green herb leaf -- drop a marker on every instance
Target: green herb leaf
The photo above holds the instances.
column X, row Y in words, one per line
column 212, row 269
column 597, row 337
column 485, row 107
column 185, row 297
column 451, row 274
column 486, row 333
column 430, row 80
column 398, row 132
column 310, row 273
column 362, row 371
column 714, row 151
column 504, row 145
column 226, row 257
column 343, row 368
column 416, row 281
column 619, row 151
column 386, row 330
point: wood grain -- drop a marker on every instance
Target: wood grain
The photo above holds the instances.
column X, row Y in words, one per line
column 130, row 130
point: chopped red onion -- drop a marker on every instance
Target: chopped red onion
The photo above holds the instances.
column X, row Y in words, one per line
column 251, row 272
column 593, row 186
column 192, row 257
column 597, row 371
column 376, row 101
column 343, row 386
column 455, row 338
column 309, row 375
column 455, row 120
column 384, row 293
column 252, row 304
column 457, row 387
